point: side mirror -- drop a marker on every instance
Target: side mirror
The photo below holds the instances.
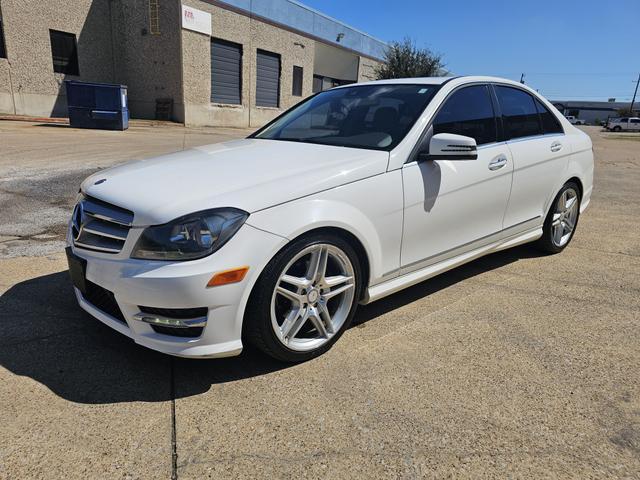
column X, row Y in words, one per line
column 449, row 146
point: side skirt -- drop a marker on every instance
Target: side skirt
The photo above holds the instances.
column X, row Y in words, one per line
column 396, row 284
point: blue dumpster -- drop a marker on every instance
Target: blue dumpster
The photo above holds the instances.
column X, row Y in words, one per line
column 97, row 105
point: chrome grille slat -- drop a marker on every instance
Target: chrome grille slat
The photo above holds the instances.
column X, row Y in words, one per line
column 96, row 248
column 100, row 226
column 109, row 213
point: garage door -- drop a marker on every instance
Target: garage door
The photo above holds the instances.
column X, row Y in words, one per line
column 226, row 66
column 268, row 79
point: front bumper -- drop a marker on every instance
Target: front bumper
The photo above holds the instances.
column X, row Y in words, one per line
column 180, row 285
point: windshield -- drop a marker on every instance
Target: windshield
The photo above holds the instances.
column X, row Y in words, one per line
column 368, row 116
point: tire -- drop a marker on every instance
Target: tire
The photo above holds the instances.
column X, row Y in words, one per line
column 300, row 317
column 562, row 220
column 616, row 129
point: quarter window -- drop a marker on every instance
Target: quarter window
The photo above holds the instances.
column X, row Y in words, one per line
column 468, row 112
column 550, row 123
column 64, row 52
column 519, row 114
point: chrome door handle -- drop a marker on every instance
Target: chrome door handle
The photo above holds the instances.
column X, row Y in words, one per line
column 556, row 146
column 498, row 162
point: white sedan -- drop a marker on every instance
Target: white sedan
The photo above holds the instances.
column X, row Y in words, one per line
column 350, row 196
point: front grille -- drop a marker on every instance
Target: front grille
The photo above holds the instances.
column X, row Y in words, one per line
column 100, row 226
column 103, row 300
column 182, row 313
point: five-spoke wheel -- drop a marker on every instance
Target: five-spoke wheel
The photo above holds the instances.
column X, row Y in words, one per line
column 308, row 292
column 561, row 222
column 313, row 297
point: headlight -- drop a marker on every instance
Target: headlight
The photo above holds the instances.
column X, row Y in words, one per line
column 192, row 236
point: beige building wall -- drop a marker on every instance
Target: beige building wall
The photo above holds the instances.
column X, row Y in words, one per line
column 149, row 64
column 367, row 70
column 37, row 90
column 252, row 35
column 115, row 45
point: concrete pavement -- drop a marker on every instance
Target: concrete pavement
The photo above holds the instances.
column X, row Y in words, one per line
column 42, row 165
column 515, row 365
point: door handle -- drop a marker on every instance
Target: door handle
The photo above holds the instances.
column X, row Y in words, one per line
column 498, row 162
column 556, row 146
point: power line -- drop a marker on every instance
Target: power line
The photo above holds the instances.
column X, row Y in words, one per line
column 607, row 74
column 621, row 95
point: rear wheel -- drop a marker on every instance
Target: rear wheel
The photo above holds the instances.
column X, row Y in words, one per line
column 305, row 298
column 562, row 219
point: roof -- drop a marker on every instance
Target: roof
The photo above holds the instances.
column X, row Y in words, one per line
column 441, row 80
column 298, row 16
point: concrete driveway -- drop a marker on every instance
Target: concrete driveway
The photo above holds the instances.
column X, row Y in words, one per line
column 516, row 365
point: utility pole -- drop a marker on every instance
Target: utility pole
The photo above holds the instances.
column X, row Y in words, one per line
column 634, row 95
column 522, row 78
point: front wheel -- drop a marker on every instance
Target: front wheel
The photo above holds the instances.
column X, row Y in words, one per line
column 616, row 129
column 562, row 219
column 304, row 299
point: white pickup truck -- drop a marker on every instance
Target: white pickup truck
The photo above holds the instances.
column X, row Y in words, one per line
column 575, row 121
column 624, row 124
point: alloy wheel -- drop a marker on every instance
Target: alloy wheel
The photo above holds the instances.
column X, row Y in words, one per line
column 313, row 297
column 564, row 217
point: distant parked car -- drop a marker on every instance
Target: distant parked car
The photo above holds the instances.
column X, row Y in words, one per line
column 624, row 124
column 575, row 121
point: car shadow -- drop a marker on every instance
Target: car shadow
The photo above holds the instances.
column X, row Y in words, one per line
column 45, row 336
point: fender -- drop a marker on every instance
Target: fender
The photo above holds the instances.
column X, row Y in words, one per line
column 370, row 209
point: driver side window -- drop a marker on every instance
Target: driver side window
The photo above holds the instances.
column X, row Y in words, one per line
column 468, row 112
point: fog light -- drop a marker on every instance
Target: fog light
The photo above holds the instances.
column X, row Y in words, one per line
column 170, row 322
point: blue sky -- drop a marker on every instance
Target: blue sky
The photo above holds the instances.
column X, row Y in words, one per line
column 568, row 49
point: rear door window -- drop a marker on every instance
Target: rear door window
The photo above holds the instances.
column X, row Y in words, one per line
column 519, row 113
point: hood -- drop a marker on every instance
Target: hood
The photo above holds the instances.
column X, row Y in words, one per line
column 249, row 174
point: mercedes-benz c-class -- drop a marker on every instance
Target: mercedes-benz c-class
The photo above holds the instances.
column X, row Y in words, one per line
column 353, row 194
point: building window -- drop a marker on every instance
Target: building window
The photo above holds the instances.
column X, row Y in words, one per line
column 226, row 72
column 296, row 85
column 321, row 83
column 154, row 17
column 64, row 52
column 3, row 50
column 268, row 79
column 317, row 84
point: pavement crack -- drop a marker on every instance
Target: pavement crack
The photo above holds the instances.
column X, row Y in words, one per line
column 174, row 444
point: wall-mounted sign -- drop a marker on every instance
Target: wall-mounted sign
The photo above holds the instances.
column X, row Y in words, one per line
column 196, row 20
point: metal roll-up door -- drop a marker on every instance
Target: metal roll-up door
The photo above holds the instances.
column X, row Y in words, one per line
column 226, row 68
column 268, row 79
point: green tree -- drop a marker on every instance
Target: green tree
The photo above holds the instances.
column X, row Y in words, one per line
column 624, row 112
column 405, row 60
